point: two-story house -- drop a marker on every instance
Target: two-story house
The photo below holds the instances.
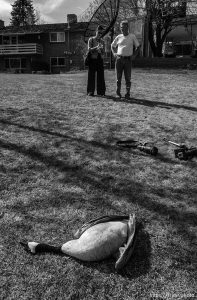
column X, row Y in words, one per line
column 49, row 47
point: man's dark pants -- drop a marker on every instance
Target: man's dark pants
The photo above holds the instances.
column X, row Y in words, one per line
column 123, row 64
column 96, row 65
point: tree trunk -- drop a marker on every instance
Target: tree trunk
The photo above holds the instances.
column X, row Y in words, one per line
column 159, row 44
column 151, row 38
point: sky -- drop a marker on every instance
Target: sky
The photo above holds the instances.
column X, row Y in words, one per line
column 51, row 11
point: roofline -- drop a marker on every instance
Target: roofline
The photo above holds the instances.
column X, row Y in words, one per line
column 7, row 30
column 20, row 33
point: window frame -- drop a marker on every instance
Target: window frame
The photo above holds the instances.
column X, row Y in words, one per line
column 57, row 33
column 8, row 39
column 57, row 57
column 11, row 63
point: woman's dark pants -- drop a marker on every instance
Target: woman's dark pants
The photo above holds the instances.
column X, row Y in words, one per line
column 96, row 66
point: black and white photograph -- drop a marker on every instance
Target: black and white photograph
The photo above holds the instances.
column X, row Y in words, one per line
column 98, row 150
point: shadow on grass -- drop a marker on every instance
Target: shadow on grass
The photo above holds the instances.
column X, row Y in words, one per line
column 139, row 264
column 131, row 191
column 152, row 103
column 105, row 146
column 126, row 189
column 32, row 128
column 36, row 155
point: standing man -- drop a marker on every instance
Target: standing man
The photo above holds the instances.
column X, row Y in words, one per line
column 122, row 49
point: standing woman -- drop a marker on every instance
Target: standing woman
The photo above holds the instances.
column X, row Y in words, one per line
column 96, row 47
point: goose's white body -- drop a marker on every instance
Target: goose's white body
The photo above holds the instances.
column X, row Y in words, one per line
column 98, row 242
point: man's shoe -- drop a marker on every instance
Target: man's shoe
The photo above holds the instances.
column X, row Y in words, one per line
column 127, row 96
column 91, row 94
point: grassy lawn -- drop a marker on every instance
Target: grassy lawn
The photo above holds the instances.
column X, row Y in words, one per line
column 60, row 167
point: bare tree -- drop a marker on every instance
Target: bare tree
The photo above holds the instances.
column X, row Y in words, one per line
column 160, row 16
column 88, row 13
column 39, row 18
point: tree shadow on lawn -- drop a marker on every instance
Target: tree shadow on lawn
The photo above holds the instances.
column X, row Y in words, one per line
column 36, row 155
column 151, row 103
column 79, row 175
column 131, row 191
column 105, row 146
column 34, row 129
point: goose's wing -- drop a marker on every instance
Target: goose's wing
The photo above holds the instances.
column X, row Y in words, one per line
column 99, row 220
column 126, row 251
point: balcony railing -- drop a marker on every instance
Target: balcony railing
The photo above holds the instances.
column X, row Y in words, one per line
column 21, row 49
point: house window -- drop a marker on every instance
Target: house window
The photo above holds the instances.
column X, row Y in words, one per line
column 57, row 61
column 9, row 40
column 57, row 37
column 13, row 40
column 15, row 63
column 6, row 40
